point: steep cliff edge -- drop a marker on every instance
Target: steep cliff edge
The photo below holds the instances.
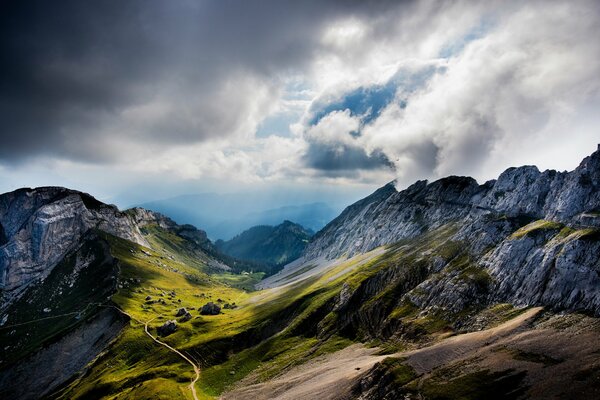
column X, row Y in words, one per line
column 529, row 237
column 388, row 215
column 38, row 227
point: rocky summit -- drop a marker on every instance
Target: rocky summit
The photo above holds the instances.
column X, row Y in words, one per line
column 534, row 233
column 443, row 290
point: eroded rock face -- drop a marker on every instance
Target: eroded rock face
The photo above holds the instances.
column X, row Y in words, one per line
column 40, row 226
column 552, row 267
column 60, row 360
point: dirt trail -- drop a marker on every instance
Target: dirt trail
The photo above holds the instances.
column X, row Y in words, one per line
column 192, row 385
column 196, row 369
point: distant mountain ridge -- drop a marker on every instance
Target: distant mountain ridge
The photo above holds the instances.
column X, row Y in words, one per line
column 224, row 216
column 274, row 246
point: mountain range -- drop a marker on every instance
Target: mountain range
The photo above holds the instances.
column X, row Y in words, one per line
column 444, row 290
column 224, row 216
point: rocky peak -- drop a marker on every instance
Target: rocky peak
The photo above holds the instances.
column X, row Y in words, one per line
column 387, row 215
column 40, row 226
column 143, row 217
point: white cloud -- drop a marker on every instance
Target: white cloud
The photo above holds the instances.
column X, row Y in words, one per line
column 516, row 82
column 336, row 127
column 508, row 95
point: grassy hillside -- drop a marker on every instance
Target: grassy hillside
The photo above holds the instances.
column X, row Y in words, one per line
column 270, row 333
column 267, row 333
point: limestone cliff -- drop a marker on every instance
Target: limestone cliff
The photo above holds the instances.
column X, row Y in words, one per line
column 533, row 235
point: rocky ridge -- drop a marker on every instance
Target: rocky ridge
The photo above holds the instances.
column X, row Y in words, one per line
column 39, row 227
column 529, row 237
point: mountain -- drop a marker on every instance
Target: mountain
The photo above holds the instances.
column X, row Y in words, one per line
column 224, row 216
column 444, row 290
column 534, row 233
column 274, row 246
column 61, row 260
column 313, row 216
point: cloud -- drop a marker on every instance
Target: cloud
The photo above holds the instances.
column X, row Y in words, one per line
column 502, row 97
column 92, row 82
column 311, row 91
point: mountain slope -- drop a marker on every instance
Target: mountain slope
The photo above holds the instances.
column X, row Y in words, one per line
column 60, row 276
column 534, row 233
column 274, row 246
column 473, row 291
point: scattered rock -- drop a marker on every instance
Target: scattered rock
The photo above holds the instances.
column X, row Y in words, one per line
column 181, row 312
column 186, row 317
column 210, row 308
column 167, row 328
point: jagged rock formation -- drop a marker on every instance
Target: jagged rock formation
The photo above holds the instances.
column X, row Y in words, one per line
column 532, row 236
column 387, row 215
column 38, row 227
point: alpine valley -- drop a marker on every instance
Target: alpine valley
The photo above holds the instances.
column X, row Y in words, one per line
column 444, row 290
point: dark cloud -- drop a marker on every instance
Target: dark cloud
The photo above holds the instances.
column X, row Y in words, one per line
column 72, row 70
column 333, row 159
column 366, row 104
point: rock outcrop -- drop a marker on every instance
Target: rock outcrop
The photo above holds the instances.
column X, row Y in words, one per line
column 38, row 227
column 181, row 312
column 533, row 236
column 210, row 308
column 167, row 328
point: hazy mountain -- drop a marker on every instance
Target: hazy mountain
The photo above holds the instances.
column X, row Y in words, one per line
column 274, row 246
column 224, row 216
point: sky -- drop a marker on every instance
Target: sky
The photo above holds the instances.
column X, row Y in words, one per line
column 140, row 100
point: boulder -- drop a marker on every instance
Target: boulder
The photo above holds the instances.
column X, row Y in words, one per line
column 167, row 328
column 210, row 308
column 186, row 317
column 181, row 312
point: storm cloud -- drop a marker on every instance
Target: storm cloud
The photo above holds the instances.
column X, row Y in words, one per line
column 314, row 92
column 82, row 80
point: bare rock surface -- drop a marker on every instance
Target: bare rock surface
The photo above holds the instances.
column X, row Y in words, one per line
column 554, row 261
column 60, row 360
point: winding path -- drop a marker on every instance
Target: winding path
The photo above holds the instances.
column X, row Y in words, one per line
column 196, row 369
column 186, row 358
